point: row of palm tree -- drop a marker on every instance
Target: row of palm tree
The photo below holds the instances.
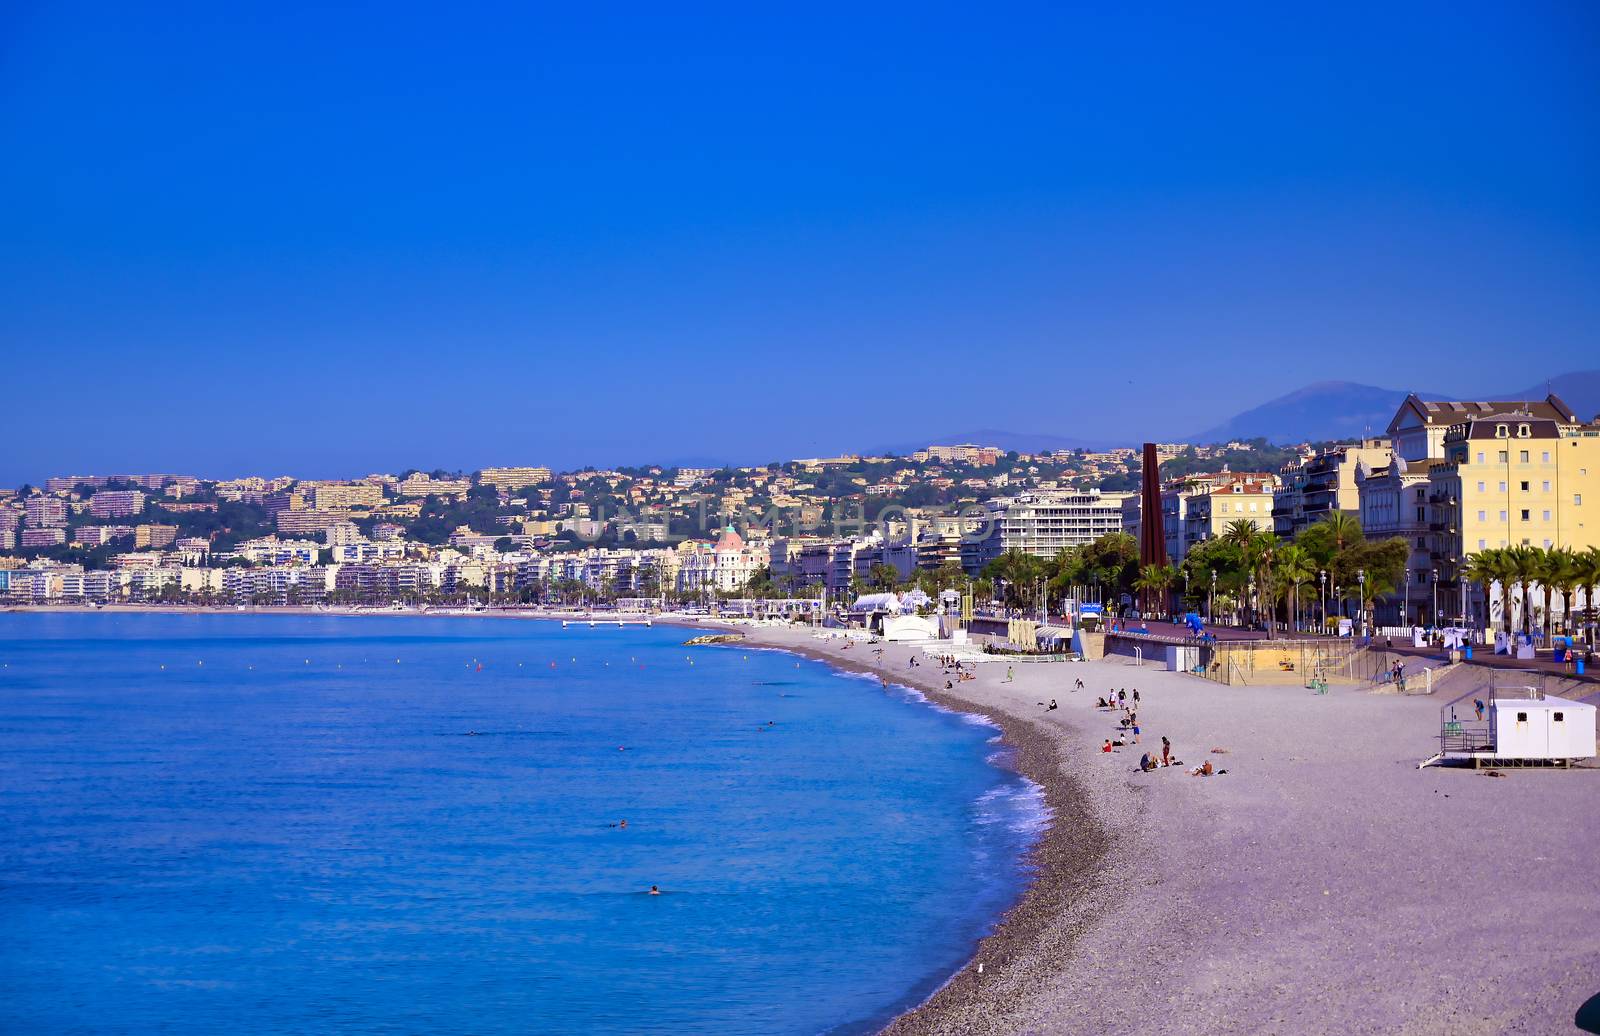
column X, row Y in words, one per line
column 1250, row 570
column 1552, row 569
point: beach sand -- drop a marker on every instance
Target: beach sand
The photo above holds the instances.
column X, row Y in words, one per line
column 1323, row 884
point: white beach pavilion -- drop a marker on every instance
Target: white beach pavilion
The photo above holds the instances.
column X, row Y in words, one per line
column 1520, row 729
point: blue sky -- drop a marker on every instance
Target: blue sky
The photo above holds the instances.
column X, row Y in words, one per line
column 329, row 241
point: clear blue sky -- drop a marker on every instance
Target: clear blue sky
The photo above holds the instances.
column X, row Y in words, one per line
column 320, row 241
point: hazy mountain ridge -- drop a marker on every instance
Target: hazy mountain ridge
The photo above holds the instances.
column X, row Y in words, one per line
column 1347, row 410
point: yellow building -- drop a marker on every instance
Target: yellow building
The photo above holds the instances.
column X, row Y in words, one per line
column 154, row 536
column 513, row 479
column 422, row 485
column 1511, row 479
column 1230, row 497
column 337, row 496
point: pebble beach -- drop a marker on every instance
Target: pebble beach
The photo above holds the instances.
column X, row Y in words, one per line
column 1322, row 884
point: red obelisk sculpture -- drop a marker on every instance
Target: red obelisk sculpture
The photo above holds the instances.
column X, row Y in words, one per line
column 1152, row 528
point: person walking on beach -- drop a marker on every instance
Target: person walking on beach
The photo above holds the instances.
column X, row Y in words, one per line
column 1166, row 752
column 1122, row 696
column 1009, row 674
column 1136, row 696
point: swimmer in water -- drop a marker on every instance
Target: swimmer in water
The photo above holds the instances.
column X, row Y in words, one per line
column 654, row 891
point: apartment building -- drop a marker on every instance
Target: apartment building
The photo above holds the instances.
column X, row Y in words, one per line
column 309, row 520
column 1326, row 482
column 1449, row 498
column 153, row 537
column 1513, row 479
column 1043, row 524
column 512, row 479
column 33, row 538
column 116, row 503
column 1227, row 498
column 100, row 535
column 1419, row 427
column 346, row 495
column 418, row 485
column 1395, row 503
column 45, row 512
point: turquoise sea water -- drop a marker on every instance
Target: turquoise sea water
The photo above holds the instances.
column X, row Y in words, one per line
column 310, row 824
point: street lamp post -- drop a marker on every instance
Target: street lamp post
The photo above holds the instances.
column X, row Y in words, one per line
column 1436, row 596
column 1361, row 600
column 1322, row 576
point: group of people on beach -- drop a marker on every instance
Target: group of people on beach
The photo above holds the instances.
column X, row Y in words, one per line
column 950, row 665
column 1125, row 706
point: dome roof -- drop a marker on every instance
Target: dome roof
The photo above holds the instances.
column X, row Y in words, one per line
column 730, row 540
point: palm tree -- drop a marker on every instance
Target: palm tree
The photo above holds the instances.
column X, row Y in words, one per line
column 1485, row 568
column 1588, row 575
column 1561, row 573
column 1257, row 549
column 1157, row 580
column 1343, row 528
column 1294, row 570
column 1527, row 566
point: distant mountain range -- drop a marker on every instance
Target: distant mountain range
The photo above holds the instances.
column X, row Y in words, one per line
column 1319, row 412
column 1346, row 409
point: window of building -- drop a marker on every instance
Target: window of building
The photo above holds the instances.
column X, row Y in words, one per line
column 1524, row 514
column 1503, row 456
column 1483, row 544
column 1422, row 514
column 1500, row 431
column 1577, row 499
column 1544, row 487
column 1502, row 516
column 1523, row 431
column 1483, row 516
column 1524, row 487
column 1546, row 518
column 1480, row 457
column 1480, row 487
column 1522, row 457
column 1545, row 457
column 1502, row 487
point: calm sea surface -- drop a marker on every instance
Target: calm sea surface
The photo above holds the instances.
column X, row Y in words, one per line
column 270, row 824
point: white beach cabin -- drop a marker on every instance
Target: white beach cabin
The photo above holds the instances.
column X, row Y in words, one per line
column 1526, row 729
column 1542, row 728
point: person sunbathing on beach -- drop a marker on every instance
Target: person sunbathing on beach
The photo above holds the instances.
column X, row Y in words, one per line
column 1107, row 746
column 1147, row 763
column 1203, row 770
column 1053, row 706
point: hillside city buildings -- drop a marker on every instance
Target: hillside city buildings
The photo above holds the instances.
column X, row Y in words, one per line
column 1449, row 478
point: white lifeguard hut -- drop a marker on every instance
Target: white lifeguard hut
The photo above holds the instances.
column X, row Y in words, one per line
column 1522, row 727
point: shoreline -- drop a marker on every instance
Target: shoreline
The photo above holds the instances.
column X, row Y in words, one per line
column 1062, row 863
column 1254, row 901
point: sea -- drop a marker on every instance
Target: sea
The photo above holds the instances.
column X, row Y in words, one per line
column 256, row 823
